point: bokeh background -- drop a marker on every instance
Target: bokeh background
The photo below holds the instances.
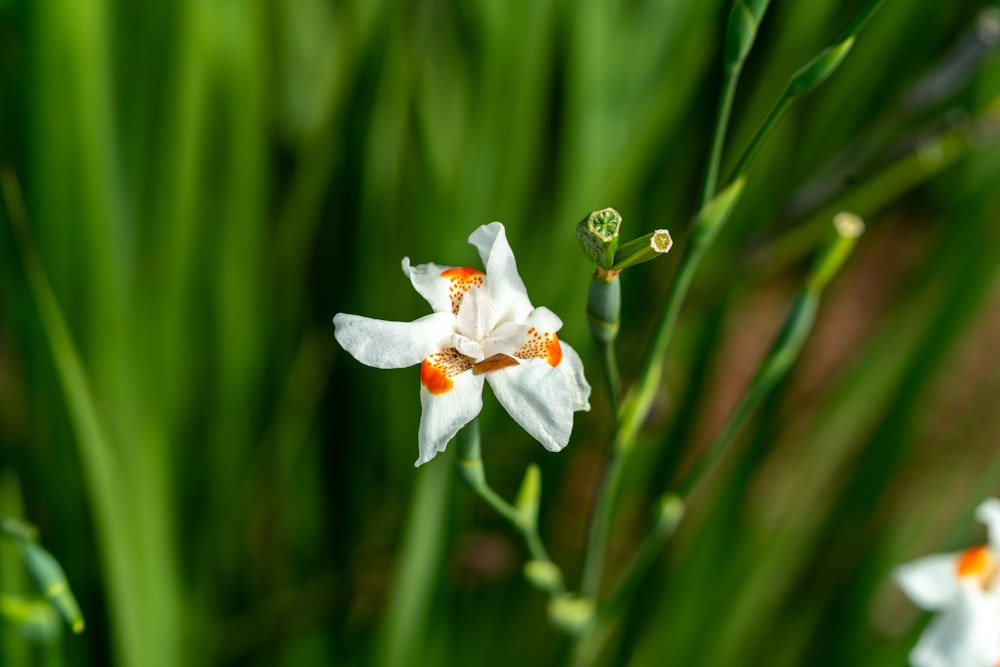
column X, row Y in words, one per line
column 209, row 181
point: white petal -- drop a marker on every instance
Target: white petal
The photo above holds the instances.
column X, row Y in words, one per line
column 384, row 344
column 572, row 367
column 427, row 280
column 538, row 397
column 504, row 282
column 963, row 635
column 988, row 513
column 468, row 347
column 544, row 320
column 931, row 582
column 477, row 315
column 505, row 339
column 444, row 414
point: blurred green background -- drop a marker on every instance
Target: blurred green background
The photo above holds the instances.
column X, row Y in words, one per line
column 209, row 181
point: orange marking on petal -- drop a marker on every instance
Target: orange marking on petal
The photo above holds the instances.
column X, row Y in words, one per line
column 553, row 351
column 461, row 273
column 434, row 378
column 462, row 278
column 975, row 562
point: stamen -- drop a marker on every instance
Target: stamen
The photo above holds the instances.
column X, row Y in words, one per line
column 462, row 278
column 541, row 346
column 494, row 363
column 437, row 370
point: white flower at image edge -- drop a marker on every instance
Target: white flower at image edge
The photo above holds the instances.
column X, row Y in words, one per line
column 483, row 328
column 963, row 589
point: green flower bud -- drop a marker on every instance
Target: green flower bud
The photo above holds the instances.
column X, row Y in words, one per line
column 643, row 249
column 529, row 497
column 740, row 33
column 604, row 304
column 598, row 236
column 544, row 575
column 671, row 512
column 817, row 70
column 848, row 227
column 571, row 613
column 50, row 578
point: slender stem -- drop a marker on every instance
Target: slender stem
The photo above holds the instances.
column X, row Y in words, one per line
column 609, row 363
column 600, row 529
column 711, row 179
column 604, row 299
column 469, row 465
column 812, row 74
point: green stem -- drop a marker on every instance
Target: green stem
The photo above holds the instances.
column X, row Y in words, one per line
column 469, row 465
column 775, row 366
column 600, row 529
column 815, row 72
column 604, row 299
column 703, row 231
column 740, row 34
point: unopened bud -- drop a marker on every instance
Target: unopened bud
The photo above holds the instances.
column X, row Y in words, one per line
column 598, row 236
column 544, row 575
column 571, row 613
column 643, row 249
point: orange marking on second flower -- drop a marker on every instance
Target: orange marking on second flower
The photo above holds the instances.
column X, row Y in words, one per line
column 462, row 278
column 978, row 563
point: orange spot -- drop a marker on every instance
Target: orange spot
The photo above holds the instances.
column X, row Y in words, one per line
column 461, row 273
column 553, row 351
column 975, row 562
column 432, row 377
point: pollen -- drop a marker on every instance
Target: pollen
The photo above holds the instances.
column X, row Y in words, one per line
column 437, row 370
column 461, row 279
column 541, row 346
column 978, row 563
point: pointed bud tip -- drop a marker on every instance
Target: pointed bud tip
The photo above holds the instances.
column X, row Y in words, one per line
column 849, row 225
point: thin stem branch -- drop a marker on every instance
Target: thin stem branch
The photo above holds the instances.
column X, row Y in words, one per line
column 469, row 465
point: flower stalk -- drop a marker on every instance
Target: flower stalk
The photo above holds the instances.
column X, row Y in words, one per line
column 540, row 570
column 811, row 75
column 787, row 346
column 741, row 31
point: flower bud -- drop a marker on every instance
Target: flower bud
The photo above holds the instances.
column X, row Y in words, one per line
column 598, row 236
column 50, row 578
column 571, row 613
column 817, row 70
column 740, row 33
column 848, row 227
column 544, row 575
column 643, row 249
column 529, row 497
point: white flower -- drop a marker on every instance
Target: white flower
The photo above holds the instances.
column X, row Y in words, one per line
column 964, row 590
column 483, row 328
